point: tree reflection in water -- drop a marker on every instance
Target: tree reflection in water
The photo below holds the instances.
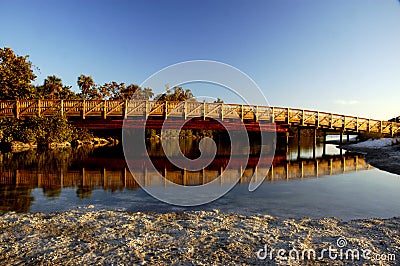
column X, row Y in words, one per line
column 105, row 168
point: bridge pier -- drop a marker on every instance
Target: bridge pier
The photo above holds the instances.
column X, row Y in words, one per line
column 298, row 143
column 287, row 141
column 341, row 143
column 314, row 142
column 324, row 144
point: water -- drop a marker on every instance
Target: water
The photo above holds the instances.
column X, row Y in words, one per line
column 324, row 182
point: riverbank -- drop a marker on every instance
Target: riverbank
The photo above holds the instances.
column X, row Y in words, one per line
column 95, row 142
column 103, row 237
column 383, row 154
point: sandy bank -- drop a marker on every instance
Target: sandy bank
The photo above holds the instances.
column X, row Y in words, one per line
column 383, row 154
column 202, row 238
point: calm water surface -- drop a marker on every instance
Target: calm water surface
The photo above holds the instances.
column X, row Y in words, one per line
column 317, row 183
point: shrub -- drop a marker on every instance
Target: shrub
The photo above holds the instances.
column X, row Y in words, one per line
column 40, row 130
column 369, row 135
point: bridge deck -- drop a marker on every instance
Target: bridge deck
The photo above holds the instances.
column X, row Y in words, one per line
column 115, row 109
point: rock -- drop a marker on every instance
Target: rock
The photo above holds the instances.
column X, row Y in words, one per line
column 100, row 141
column 55, row 145
column 18, row 146
column 112, row 141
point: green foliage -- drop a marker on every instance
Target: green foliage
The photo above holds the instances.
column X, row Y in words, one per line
column 39, row 130
column 16, row 75
column 87, row 86
column 178, row 95
column 53, row 88
column 112, row 90
column 142, row 94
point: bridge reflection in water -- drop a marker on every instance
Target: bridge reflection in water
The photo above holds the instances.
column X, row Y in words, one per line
column 117, row 179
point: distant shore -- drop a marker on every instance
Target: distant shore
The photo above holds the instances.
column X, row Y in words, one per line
column 104, row 237
column 383, row 154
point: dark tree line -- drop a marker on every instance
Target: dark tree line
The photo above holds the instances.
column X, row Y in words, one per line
column 17, row 75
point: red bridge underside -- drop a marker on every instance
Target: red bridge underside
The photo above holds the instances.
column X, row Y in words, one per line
column 196, row 123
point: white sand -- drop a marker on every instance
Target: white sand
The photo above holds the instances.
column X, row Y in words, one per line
column 202, row 238
column 375, row 143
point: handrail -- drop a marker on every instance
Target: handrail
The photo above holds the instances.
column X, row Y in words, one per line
column 148, row 108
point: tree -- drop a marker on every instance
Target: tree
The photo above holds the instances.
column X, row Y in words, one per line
column 395, row 119
column 112, row 90
column 179, row 94
column 126, row 93
column 219, row 100
column 130, row 92
column 53, row 88
column 50, row 89
column 142, row 94
column 148, row 93
column 53, row 85
column 87, row 86
column 67, row 94
column 16, row 75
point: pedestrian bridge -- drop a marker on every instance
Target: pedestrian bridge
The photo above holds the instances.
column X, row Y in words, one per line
column 98, row 114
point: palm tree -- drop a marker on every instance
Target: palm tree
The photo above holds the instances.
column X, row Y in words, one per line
column 188, row 95
column 52, row 86
column 148, row 93
column 85, row 83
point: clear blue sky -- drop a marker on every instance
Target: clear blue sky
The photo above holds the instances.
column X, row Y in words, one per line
column 341, row 56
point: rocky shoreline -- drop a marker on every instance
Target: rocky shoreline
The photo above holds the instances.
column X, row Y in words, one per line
column 18, row 146
column 89, row 237
column 384, row 157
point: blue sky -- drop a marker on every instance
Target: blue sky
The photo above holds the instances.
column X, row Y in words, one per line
column 338, row 56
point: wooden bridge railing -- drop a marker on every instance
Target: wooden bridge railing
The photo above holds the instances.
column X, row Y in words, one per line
column 125, row 109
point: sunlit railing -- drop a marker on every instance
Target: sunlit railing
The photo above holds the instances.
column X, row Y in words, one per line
column 145, row 109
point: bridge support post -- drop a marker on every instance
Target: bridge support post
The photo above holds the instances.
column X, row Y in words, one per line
column 16, row 111
column 298, row 143
column 62, row 108
column 324, row 144
column 204, row 110
column 315, row 137
column 125, row 109
column 83, row 111
column 104, row 109
column 287, row 139
column 314, row 142
column 392, row 129
column 39, row 104
column 341, row 143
